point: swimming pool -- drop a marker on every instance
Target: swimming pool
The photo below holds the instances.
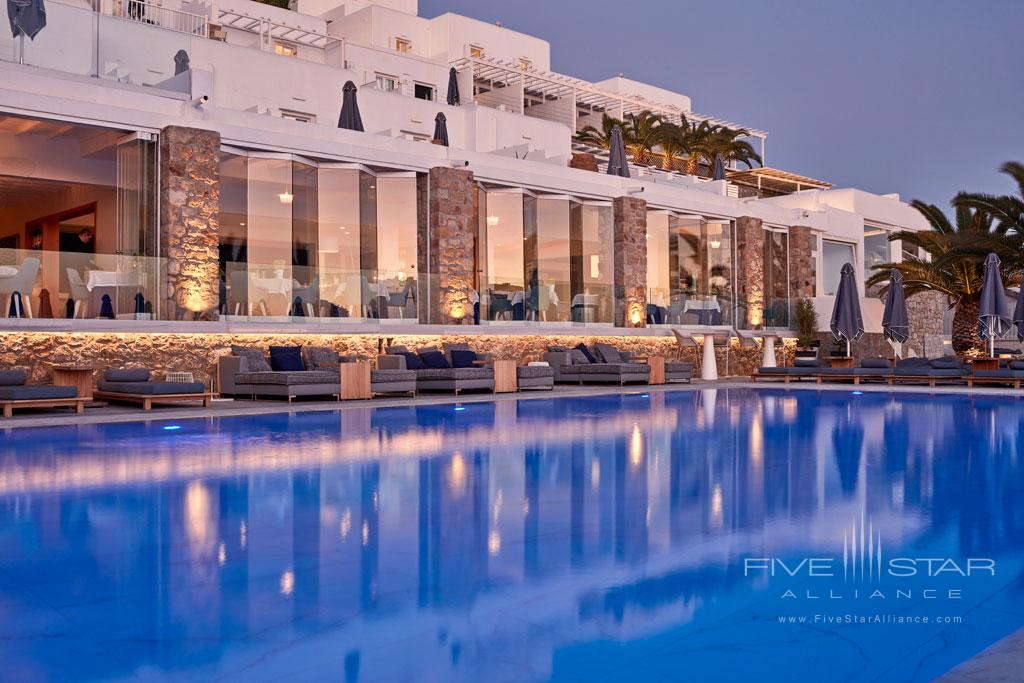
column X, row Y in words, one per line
column 644, row 536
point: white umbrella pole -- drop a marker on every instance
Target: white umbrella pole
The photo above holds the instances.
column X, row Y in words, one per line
column 847, row 348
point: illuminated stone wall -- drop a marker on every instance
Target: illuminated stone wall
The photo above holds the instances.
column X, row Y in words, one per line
column 189, row 221
column 750, row 271
column 38, row 352
column 630, row 216
column 453, row 217
column 801, row 262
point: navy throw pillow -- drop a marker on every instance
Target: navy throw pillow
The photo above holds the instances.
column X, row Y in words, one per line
column 13, row 378
column 286, row 359
column 805, row 362
column 1017, row 364
column 582, row 348
column 463, row 358
column 434, row 360
column 127, row 375
column 875, row 363
column 947, row 363
column 412, row 361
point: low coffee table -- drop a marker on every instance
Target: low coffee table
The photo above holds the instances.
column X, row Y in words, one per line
column 78, row 376
column 843, row 363
column 355, row 381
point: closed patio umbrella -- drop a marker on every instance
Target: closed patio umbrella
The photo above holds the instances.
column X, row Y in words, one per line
column 1018, row 313
column 440, row 129
column 617, row 164
column 718, row 172
column 350, row 118
column 847, row 322
column 895, row 321
column 993, row 313
column 453, row 88
column 27, row 17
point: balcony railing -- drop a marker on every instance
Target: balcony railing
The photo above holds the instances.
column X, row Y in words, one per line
column 156, row 15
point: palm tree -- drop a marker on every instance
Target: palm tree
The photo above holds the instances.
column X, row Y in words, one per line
column 640, row 133
column 697, row 137
column 673, row 144
column 599, row 138
column 727, row 142
column 1006, row 210
column 954, row 265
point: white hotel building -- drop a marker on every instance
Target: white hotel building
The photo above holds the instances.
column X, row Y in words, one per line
column 225, row 199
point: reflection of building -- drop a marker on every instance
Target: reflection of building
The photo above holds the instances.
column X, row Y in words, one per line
column 198, row 157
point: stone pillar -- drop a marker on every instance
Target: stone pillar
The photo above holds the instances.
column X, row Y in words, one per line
column 801, row 262
column 190, row 221
column 749, row 273
column 451, row 230
column 926, row 313
column 630, row 238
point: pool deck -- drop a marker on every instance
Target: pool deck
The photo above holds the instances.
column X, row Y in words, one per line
column 1000, row 663
column 113, row 413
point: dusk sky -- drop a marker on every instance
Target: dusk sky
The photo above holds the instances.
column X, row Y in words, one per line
column 919, row 97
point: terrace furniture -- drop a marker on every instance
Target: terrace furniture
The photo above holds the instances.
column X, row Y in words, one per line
column 535, row 377
column 678, row 371
column 945, row 369
column 802, row 368
column 452, row 371
column 79, row 292
column 870, row 369
column 133, row 385
column 15, row 393
column 20, row 283
column 1011, row 373
column 354, row 381
column 78, row 376
column 505, row 375
column 602, row 364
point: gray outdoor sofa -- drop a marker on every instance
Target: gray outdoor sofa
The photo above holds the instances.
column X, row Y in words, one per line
column 247, row 372
column 612, row 366
column 449, row 379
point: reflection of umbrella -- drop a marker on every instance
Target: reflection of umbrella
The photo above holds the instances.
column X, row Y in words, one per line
column 847, row 322
column 1018, row 313
column 27, row 17
column 350, row 118
column 847, row 443
column 895, row 325
column 993, row 313
column 617, row 164
column 718, row 172
column 453, row 88
column 440, row 129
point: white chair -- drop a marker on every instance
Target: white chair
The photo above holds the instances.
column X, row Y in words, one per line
column 22, row 283
column 79, row 292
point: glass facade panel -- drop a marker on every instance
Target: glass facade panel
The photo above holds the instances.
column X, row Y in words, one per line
column 396, row 242
column 720, row 292
column 876, row 248
column 592, row 247
column 776, row 281
column 234, row 235
column 339, row 203
column 500, row 255
column 547, row 261
column 658, row 285
column 270, row 199
column 834, row 255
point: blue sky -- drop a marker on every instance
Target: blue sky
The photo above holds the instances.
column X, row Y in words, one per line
column 919, row 97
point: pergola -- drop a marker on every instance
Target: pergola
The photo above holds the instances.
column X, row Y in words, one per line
column 776, row 180
column 556, row 97
column 269, row 30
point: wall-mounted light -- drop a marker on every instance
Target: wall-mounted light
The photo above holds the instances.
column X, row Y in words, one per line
column 492, row 221
column 286, row 197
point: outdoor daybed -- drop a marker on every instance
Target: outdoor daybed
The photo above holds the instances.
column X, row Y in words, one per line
column 802, row 368
column 456, row 370
column 16, row 393
column 601, row 364
column 945, row 369
column 1011, row 373
column 870, row 369
column 133, row 385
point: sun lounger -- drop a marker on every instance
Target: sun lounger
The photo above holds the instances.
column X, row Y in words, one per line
column 15, row 393
column 133, row 385
column 1012, row 373
column 931, row 372
column 879, row 369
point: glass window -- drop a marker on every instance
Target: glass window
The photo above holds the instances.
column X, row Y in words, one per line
column 547, row 261
column 476, row 51
column 834, row 255
column 720, row 272
column 525, row 63
column 876, row 248
column 386, row 83
column 346, row 201
column 285, row 49
column 423, row 92
column 776, row 283
column 403, row 45
column 500, row 254
column 396, row 243
column 658, row 288
column 592, row 277
column 269, row 230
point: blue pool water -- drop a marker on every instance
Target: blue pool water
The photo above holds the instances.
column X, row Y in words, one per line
column 608, row 538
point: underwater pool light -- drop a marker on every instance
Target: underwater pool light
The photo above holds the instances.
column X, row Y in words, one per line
column 171, row 428
column 458, row 408
column 858, row 393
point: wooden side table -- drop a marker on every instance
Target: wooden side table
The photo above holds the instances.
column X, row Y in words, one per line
column 505, row 381
column 657, row 364
column 355, row 381
column 78, row 376
column 985, row 364
column 843, row 363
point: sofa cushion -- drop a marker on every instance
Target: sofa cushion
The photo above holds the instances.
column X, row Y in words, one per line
column 582, row 348
column 288, row 378
column 456, row 373
column 127, row 375
column 805, row 362
column 463, row 358
column 151, row 388
column 412, row 361
column 1017, row 364
column 556, row 348
column 382, row 376
column 608, row 353
column 533, row 371
column 320, row 358
column 12, row 378
column 434, row 360
column 875, row 363
column 253, row 359
column 946, row 363
column 678, row 366
column 912, row 363
column 35, row 392
column 615, row 369
column 286, row 359
column 398, row 349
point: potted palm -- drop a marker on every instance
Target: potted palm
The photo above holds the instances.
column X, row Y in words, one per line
column 806, row 329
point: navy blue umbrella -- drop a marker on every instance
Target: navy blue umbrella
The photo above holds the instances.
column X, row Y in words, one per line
column 27, row 17
column 453, row 88
column 895, row 321
column 617, row 164
column 1018, row 313
column 847, row 323
column 718, row 171
column 440, row 129
column 350, row 118
column 993, row 313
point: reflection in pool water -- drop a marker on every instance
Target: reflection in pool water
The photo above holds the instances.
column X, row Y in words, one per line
column 601, row 538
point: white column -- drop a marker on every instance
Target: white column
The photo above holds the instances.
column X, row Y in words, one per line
column 709, row 368
column 768, row 353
